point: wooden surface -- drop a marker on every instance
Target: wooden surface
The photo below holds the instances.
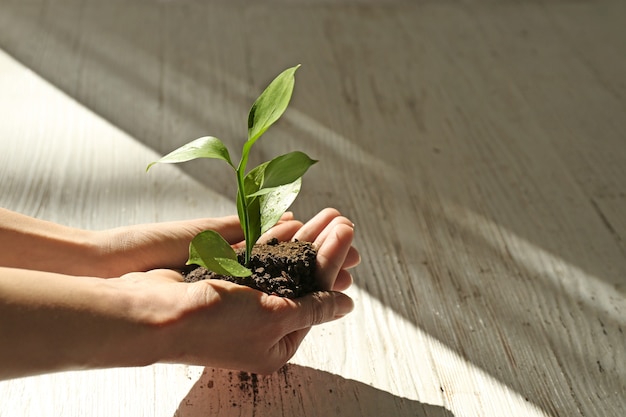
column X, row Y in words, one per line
column 479, row 146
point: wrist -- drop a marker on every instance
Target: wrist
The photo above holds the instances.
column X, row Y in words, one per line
column 72, row 252
column 134, row 328
column 152, row 310
column 142, row 248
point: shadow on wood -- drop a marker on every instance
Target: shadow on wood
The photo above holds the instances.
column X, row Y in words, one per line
column 297, row 391
column 481, row 221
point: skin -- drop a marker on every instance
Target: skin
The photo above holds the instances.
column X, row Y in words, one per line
column 76, row 299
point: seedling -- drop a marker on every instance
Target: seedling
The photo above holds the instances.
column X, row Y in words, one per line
column 263, row 194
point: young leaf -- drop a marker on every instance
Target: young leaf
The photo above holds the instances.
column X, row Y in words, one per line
column 205, row 147
column 267, row 109
column 210, row 250
column 264, row 194
column 283, row 170
column 270, row 206
column 275, row 204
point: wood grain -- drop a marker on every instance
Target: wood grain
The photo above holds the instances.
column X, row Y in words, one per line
column 480, row 148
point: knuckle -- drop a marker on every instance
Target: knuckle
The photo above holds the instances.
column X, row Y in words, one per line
column 317, row 309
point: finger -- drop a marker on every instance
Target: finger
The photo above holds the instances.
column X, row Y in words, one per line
column 332, row 253
column 319, row 240
column 283, row 231
column 344, row 281
column 229, row 227
column 288, row 215
column 316, row 225
column 165, row 275
column 353, row 258
column 232, row 227
column 320, row 307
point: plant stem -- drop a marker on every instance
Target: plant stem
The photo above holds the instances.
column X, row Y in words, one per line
column 245, row 220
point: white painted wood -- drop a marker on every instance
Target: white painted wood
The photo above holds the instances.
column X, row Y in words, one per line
column 479, row 147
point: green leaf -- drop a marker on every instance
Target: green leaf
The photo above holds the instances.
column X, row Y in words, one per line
column 210, row 250
column 205, row 147
column 267, row 207
column 267, row 109
column 274, row 204
column 283, row 170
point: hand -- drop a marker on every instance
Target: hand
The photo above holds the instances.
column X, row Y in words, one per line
column 332, row 235
column 221, row 324
column 78, row 321
column 166, row 245
column 217, row 323
column 158, row 245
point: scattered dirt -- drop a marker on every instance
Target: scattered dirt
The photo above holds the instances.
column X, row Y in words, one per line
column 286, row 269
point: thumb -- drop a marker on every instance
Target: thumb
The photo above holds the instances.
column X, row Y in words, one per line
column 321, row 307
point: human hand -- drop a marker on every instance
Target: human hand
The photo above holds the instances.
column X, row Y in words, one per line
column 221, row 324
column 217, row 323
column 79, row 321
column 332, row 234
column 166, row 245
column 150, row 246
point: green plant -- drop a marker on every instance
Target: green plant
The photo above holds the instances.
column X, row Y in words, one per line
column 263, row 194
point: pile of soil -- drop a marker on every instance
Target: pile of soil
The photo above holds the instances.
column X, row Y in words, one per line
column 286, row 269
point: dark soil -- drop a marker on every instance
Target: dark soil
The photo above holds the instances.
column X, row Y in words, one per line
column 286, row 269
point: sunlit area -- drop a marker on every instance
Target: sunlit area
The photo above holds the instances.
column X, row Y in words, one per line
column 477, row 148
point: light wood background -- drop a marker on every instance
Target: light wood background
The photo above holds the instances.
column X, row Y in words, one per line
column 479, row 146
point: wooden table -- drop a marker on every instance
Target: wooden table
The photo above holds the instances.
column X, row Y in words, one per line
column 480, row 147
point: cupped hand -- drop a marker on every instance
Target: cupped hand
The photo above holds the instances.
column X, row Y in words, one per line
column 157, row 245
column 217, row 323
column 166, row 245
column 221, row 324
column 332, row 234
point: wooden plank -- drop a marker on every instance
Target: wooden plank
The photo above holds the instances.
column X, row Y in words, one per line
column 461, row 138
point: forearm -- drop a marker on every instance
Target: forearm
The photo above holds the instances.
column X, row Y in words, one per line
column 51, row 322
column 36, row 244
